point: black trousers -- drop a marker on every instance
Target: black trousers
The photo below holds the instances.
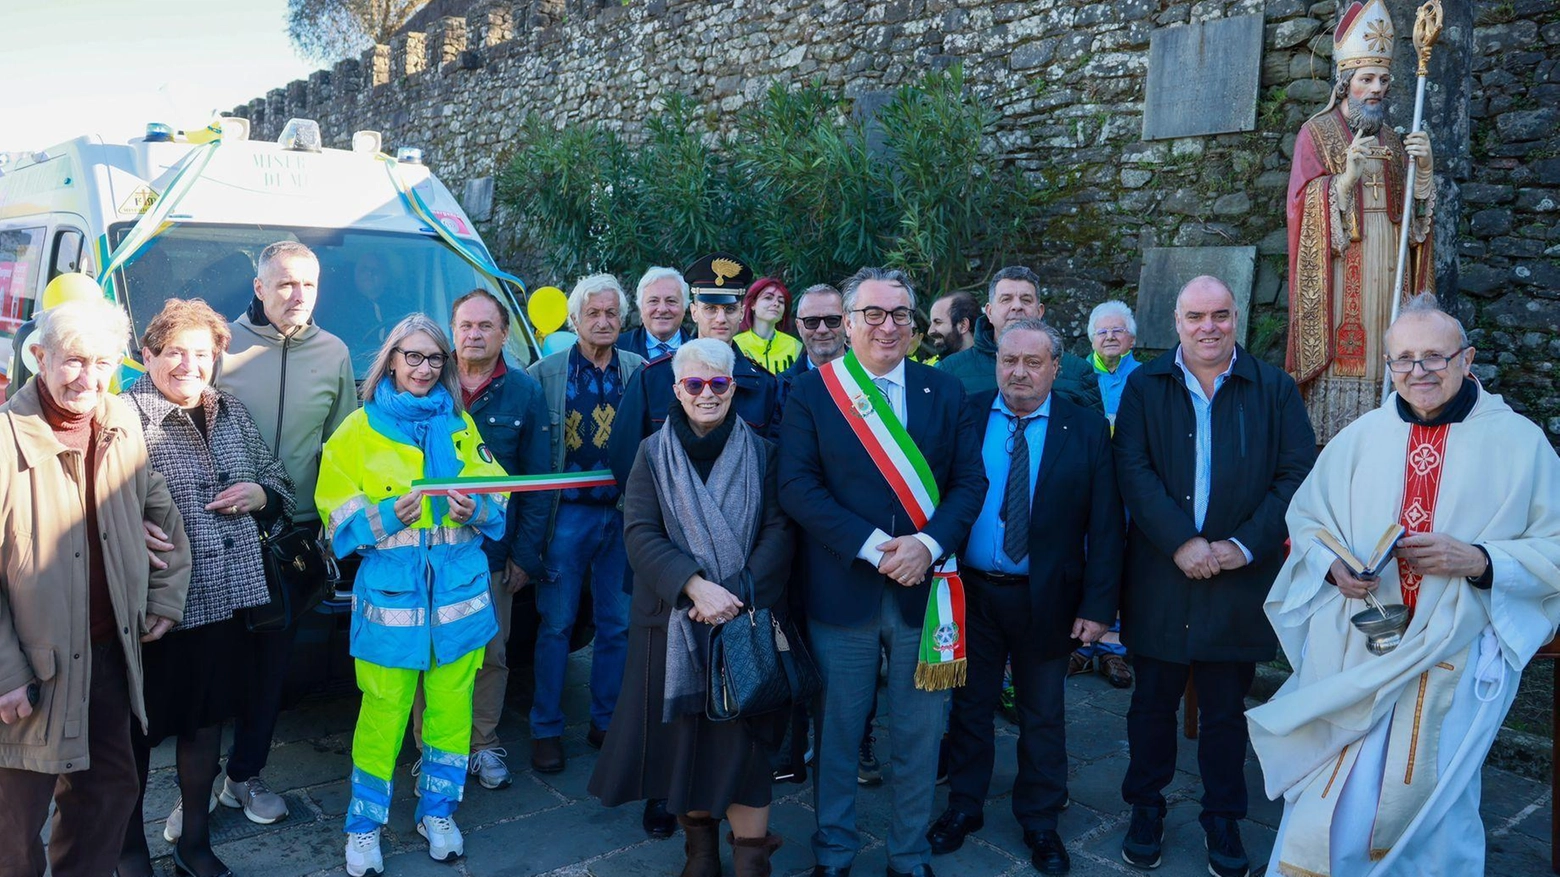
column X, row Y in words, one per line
column 998, row 624
column 1221, row 737
column 264, row 678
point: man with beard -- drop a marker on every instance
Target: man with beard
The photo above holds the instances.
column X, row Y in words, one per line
column 1345, row 198
column 953, row 323
column 662, row 300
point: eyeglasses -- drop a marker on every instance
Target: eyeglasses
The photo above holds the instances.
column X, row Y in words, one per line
column 1110, row 333
column 1433, row 363
column 415, row 359
column 832, row 321
column 875, row 316
column 718, row 385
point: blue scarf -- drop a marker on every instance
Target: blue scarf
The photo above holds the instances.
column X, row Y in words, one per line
column 426, row 423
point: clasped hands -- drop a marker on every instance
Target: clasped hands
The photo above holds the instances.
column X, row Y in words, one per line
column 905, row 560
column 712, row 604
column 1200, row 559
column 1428, row 554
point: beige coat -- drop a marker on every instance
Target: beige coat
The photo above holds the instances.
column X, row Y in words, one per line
column 43, row 572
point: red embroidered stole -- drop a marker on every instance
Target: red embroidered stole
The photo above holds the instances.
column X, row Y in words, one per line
column 1421, row 488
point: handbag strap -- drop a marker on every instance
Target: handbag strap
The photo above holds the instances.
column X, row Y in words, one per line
column 787, row 656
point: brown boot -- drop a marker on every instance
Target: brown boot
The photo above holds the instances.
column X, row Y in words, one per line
column 751, row 854
column 701, row 843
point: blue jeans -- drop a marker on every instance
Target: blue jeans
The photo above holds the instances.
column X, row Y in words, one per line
column 848, row 659
column 586, row 538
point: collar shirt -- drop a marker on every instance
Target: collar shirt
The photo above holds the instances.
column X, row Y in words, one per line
column 1202, row 406
column 986, row 536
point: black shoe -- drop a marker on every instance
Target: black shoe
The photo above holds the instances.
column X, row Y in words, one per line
column 1145, row 837
column 868, row 771
column 595, row 737
column 180, row 868
column 948, row 832
column 657, row 822
column 1046, row 852
column 827, row 871
column 547, row 754
column 1226, row 854
column 917, row 871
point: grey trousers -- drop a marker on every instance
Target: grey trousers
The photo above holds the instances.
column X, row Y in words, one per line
column 848, row 658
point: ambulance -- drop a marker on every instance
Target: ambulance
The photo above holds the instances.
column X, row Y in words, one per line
column 185, row 215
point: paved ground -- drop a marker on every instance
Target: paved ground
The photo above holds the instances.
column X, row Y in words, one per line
column 547, row 825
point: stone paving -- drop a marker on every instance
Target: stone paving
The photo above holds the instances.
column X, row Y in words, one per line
column 547, row 824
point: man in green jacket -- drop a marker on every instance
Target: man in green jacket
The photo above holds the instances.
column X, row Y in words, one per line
column 1014, row 294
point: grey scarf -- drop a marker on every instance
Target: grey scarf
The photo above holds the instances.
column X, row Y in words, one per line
column 715, row 523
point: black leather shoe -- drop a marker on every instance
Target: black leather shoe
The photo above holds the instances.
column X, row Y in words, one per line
column 827, row 871
column 917, row 871
column 595, row 737
column 547, row 754
column 657, row 822
column 1046, row 852
column 948, row 832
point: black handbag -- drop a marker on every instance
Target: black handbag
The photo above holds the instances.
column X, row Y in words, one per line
column 757, row 664
column 298, row 575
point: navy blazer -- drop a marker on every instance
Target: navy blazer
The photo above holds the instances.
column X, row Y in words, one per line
column 830, row 486
column 1077, row 528
column 638, row 340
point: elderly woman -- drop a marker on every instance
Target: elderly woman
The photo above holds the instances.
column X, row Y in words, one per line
column 79, row 596
column 421, row 609
column 700, row 511
column 224, row 481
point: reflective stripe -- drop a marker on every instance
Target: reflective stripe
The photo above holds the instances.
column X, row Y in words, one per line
column 441, row 786
column 457, row 611
column 388, row 617
column 343, row 512
column 376, row 522
column 435, row 755
column 411, row 537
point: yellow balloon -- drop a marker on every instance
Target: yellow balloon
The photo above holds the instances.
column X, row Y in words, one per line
column 70, row 286
column 548, row 308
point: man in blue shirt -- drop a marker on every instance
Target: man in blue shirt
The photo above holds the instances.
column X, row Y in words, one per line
column 1041, row 568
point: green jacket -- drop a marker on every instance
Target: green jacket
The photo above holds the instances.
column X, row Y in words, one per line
column 976, row 368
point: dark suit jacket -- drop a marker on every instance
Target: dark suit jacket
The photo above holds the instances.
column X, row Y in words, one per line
column 830, row 486
column 1076, row 525
column 638, row 340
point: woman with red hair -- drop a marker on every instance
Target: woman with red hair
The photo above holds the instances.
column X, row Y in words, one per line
column 766, row 324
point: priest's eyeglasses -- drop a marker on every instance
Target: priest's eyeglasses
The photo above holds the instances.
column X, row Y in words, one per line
column 415, row 359
column 1433, row 363
column 875, row 316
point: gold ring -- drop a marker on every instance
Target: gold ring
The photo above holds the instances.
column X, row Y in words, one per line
column 232, row 509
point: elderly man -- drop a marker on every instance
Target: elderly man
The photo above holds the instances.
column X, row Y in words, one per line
column 1040, row 575
column 953, row 323
column 880, row 465
column 79, row 596
column 584, row 389
column 662, row 301
column 1378, row 756
column 1014, row 294
column 511, row 417
column 1345, row 214
column 1211, row 442
column 820, row 319
column 296, row 380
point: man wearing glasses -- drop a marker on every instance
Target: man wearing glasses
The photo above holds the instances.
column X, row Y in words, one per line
column 1403, row 735
column 820, row 319
column 856, row 432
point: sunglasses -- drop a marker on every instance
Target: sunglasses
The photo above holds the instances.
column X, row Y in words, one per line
column 832, row 321
column 718, row 385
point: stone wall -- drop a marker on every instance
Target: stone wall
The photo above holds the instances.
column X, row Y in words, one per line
column 1068, row 77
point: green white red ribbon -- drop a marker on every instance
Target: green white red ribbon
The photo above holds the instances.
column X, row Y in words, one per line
column 865, row 408
column 514, row 483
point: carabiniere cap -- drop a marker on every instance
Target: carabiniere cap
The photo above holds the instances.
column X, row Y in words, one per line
column 718, row 279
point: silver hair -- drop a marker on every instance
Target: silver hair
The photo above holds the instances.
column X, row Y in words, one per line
column 656, row 275
column 883, row 275
column 89, row 327
column 411, row 325
column 1029, row 324
column 1112, row 308
column 590, row 285
column 816, row 289
column 280, row 250
column 1426, row 303
column 708, row 352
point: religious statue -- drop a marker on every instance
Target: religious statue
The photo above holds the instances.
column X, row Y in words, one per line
column 1345, row 214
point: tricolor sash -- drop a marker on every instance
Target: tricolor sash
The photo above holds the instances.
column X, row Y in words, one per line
column 901, row 463
column 513, row 483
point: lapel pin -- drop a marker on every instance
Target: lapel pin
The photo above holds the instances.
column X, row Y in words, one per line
column 926, row 389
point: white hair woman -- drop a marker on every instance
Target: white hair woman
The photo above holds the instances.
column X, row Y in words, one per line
column 1113, row 332
column 421, row 609
column 700, row 517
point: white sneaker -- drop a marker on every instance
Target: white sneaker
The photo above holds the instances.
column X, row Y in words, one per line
column 444, row 840
column 174, row 828
column 363, row 856
column 490, row 769
column 261, row 805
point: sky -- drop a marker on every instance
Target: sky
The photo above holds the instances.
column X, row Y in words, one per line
column 72, row 67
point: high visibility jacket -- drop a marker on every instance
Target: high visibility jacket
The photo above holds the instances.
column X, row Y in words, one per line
column 422, row 590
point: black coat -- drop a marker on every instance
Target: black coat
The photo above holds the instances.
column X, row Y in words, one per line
column 830, row 486
column 1263, row 447
column 1076, row 525
column 638, row 340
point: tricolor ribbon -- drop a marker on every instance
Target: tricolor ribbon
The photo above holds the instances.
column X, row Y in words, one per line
column 514, row 483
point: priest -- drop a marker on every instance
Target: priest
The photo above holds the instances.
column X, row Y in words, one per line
column 1378, row 757
column 1345, row 215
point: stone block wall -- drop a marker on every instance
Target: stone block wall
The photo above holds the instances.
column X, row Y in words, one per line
column 1068, row 78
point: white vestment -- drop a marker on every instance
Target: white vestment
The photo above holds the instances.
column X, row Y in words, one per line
column 1378, row 757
